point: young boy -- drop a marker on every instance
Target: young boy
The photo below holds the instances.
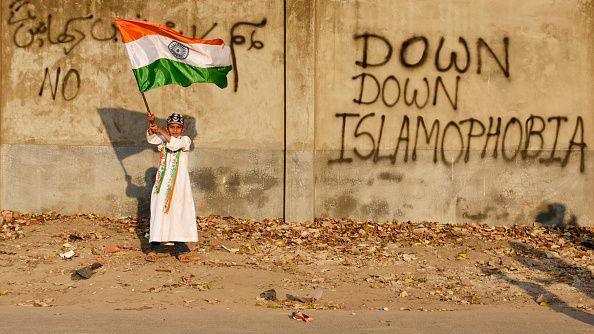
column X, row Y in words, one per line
column 173, row 216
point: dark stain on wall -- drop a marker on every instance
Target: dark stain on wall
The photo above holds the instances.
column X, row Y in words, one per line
column 328, row 179
column 347, row 206
column 256, row 177
column 495, row 211
column 342, row 206
column 375, row 209
column 233, row 183
column 231, row 191
column 478, row 216
column 389, row 176
column 204, row 178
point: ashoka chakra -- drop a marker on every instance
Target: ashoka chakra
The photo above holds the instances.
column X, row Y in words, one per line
column 178, row 50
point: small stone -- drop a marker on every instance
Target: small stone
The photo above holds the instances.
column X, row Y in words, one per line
column 403, row 294
column 67, row 255
column 542, row 300
column 86, row 272
column 230, row 250
column 269, row 295
column 409, row 257
column 112, row 249
column 420, row 230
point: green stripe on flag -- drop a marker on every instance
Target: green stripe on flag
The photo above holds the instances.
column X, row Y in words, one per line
column 165, row 71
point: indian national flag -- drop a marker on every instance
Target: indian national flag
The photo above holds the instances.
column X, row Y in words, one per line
column 161, row 56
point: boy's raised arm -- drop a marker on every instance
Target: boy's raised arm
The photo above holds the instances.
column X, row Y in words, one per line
column 152, row 137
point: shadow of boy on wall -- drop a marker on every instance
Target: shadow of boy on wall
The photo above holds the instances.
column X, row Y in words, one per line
column 126, row 130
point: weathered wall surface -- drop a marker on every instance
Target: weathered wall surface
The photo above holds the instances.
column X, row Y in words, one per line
column 72, row 117
column 454, row 110
column 438, row 110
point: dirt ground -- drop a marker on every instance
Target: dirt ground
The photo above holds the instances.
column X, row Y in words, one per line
column 322, row 265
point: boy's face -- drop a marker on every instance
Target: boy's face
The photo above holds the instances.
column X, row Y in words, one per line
column 175, row 129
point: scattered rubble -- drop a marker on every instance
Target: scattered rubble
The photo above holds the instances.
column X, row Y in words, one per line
column 112, row 249
column 230, row 250
column 75, row 237
column 406, row 263
column 43, row 303
column 269, row 295
column 86, row 272
column 298, row 315
column 68, row 255
column 542, row 300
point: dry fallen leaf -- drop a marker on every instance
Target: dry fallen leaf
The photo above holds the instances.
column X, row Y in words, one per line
column 462, row 255
column 43, row 303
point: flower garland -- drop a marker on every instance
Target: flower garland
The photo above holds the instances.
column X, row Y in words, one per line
column 162, row 167
column 171, row 186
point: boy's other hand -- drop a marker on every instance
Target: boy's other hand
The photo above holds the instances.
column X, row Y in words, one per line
column 155, row 128
column 150, row 118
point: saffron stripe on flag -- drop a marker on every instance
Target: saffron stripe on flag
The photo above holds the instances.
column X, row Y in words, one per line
column 132, row 30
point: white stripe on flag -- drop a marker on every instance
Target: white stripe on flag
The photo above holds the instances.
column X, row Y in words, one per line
column 146, row 50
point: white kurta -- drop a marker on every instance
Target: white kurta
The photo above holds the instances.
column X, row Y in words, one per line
column 179, row 223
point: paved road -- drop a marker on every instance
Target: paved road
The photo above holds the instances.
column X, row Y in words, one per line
column 537, row 320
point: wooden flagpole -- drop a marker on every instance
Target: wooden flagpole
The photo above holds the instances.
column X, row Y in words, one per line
column 148, row 110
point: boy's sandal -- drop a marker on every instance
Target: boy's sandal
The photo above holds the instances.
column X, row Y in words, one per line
column 151, row 257
column 183, row 257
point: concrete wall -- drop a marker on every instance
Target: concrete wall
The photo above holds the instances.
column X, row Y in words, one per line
column 364, row 80
column 528, row 63
column 72, row 117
